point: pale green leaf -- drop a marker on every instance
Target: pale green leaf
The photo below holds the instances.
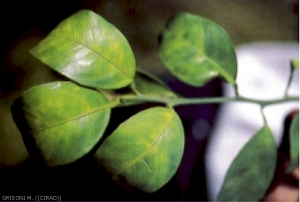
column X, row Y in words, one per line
column 294, row 144
column 295, row 64
column 196, row 50
column 145, row 151
column 89, row 50
column 252, row 170
column 60, row 121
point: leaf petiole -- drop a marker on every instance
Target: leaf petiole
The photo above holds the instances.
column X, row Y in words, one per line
column 213, row 100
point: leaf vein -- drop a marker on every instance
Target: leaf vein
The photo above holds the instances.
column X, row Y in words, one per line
column 151, row 146
column 100, row 55
column 34, row 115
column 92, row 125
column 152, row 173
column 69, row 120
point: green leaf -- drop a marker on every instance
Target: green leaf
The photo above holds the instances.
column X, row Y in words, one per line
column 60, row 121
column 294, row 144
column 145, row 151
column 252, row 170
column 196, row 50
column 147, row 84
column 295, row 64
column 89, row 50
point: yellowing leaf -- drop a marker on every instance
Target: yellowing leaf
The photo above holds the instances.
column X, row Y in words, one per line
column 145, row 151
column 60, row 121
column 89, row 50
column 196, row 50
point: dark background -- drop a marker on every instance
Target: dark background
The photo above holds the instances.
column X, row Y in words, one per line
column 24, row 23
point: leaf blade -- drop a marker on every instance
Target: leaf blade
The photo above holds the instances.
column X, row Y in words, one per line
column 148, row 84
column 140, row 145
column 255, row 162
column 57, row 124
column 196, row 50
column 294, row 144
column 89, row 50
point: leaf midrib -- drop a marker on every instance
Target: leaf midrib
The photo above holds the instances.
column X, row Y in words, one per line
column 100, row 55
column 151, row 146
column 69, row 120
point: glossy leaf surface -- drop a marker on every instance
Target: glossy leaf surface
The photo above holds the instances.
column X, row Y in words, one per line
column 196, row 50
column 60, row 121
column 294, row 144
column 89, row 50
column 252, row 170
column 145, row 151
column 148, row 84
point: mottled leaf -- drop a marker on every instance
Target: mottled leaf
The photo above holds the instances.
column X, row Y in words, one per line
column 60, row 121
column 145, row 151
column 89, row 50
column 147, row 84
column 196, row 50
column 294, row 144
column 252, row 170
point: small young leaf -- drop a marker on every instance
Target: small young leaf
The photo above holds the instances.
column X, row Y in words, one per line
column 294, row 144
column 148, row 84
column 295, row 64
column 252, row 170
column 144, row 83
column 145, row 151
column 89, row 50
column 196, row 50
column 60, row 121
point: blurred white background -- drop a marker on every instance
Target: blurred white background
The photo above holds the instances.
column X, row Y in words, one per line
column 263, row 72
